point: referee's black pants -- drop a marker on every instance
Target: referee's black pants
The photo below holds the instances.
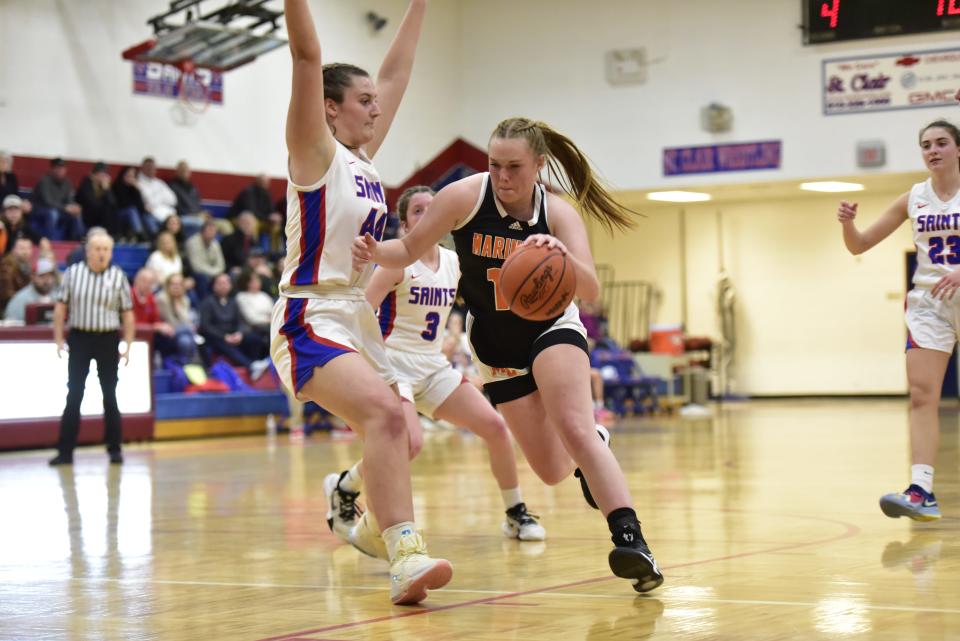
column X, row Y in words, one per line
column 102, row 347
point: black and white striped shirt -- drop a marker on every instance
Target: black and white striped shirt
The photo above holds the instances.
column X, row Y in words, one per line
column 95, row 300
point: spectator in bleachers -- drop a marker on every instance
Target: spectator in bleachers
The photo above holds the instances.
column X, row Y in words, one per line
column 40, row 290
column 258, row 264
column 15, row 225
column 167, row 341
column 176, row 309
column 256, row 199
column 237, row 246
column 457, row 351
column 132, row 212
column 9, row 186
column 158, row 199
column 205, row 257
column 256, row 306
column 174, row 225
column 15, row 270
column 97, row 202
column 56, row 214
column 222, row 327
column 165, row 260
column 275, row 236
column 174, row 304
column 188, row 196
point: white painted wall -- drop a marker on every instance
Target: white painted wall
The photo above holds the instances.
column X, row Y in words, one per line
column 64, row 90
column 811, row 318
column 544, row 59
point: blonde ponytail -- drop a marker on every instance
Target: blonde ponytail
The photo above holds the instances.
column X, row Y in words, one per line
column 571, row 170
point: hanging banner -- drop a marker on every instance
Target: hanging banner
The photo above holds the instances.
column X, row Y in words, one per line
column 160, row 79
column 890, row 82
column 710, row 159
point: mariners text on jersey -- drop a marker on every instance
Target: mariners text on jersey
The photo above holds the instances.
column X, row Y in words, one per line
column 491, row 246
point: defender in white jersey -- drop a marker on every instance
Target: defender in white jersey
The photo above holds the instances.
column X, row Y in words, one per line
column 932, row 308
column 325, row 342
column 414, row 305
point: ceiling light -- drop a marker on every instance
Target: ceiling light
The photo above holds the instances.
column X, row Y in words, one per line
column 831, row 186
column 678, row 196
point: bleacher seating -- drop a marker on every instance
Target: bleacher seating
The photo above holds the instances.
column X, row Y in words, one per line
column 625, row 388
column 130, row 258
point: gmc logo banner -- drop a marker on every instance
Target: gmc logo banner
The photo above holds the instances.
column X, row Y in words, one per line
column 908, row 80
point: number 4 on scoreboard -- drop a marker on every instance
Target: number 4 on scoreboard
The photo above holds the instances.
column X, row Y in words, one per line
column 832, row 10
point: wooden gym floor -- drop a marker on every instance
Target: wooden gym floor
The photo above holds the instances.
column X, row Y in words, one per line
column 764, row 519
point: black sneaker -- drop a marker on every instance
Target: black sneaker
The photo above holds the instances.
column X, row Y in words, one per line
column 587, row 496
column 344, row 512
column 632, row 559
column 116, row 458
column 521, row 524
column 60, row 459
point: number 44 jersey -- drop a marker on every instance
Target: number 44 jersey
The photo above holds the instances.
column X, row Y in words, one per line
column 414, row 315
column 936, row 233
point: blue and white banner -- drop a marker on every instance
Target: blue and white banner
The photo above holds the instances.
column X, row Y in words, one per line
column 159, row 79
column 889, row 82
column 742, row 156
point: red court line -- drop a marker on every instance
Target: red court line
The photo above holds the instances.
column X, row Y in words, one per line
column 850, row 530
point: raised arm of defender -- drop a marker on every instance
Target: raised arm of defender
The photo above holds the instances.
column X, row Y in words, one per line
column 395, row 71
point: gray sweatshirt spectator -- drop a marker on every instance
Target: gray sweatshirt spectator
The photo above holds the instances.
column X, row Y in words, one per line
column 204, row 253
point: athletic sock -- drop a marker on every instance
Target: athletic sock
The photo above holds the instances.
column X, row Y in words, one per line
column 352, row 481
column 624, row 526
column 511, row 497
column 922, row 475
column 391, row 536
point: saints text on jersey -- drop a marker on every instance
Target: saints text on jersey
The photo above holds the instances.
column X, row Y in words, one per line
column 938, row 222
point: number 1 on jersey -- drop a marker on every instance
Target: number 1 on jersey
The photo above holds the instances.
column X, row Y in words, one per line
column 493, row 275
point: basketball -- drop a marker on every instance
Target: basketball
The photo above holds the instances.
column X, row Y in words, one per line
column 537, row 283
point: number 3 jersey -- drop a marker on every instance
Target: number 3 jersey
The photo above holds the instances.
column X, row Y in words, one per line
column 322, row 221
column 414, row 315
column 936, row 233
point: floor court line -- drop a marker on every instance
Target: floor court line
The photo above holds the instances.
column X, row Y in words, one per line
column 850, row 530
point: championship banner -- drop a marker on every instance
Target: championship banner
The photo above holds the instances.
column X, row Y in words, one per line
column 160, row 79
column 891, row 82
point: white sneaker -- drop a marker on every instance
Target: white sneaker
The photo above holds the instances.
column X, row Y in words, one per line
column 522, row 525
column 412, row 572
column 365, row 536
column 343, row 512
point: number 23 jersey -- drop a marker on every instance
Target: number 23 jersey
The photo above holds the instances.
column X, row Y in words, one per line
column 936, row 233
column 414, row 315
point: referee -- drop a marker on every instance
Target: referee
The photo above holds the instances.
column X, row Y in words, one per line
column 97, row 296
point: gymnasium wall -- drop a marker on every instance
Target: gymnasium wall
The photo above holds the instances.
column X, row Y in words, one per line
column 811, row 318
column 66, row 87
column 545, row 59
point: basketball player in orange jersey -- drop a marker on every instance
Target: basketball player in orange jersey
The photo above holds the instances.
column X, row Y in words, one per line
column 414, row 304
column 933, row 309
column 325, row 342
column 536, row 372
